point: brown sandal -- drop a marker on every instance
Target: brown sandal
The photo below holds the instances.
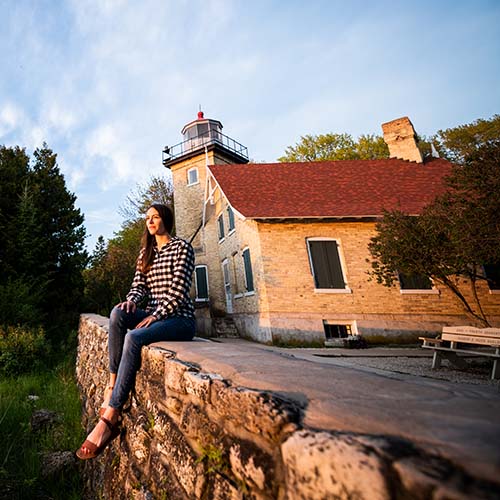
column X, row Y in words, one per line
column 93, row 448
column 108, row 390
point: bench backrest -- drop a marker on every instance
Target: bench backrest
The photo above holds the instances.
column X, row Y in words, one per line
column 472, row 335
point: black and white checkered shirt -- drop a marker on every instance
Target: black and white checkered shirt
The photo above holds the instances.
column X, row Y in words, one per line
column 167, row 282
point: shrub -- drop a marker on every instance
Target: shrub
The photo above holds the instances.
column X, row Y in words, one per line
column 21, row 349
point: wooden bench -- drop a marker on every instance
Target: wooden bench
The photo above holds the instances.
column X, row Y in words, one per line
column 462, row 340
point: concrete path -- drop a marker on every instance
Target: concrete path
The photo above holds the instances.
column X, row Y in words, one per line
column 458, row 421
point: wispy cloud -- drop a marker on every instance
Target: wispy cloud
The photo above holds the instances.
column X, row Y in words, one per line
column 108, row 83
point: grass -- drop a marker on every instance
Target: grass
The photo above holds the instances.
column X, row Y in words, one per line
column 20, row 449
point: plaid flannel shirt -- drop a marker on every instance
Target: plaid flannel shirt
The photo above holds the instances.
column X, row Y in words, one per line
column 166, row 284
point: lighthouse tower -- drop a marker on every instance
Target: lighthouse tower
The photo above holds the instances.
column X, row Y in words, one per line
column 203, row 145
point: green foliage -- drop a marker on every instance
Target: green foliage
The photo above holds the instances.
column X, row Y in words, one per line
column 22, row 349
column 112, row 264
column 336, row 147
column 458, row 143
column 21, row 450
column 157, row 190
column 42, row 246
column 453, row 237
column 107, row 281
column 214, row 459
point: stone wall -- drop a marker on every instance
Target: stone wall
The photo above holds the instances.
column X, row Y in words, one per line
column 190, row 434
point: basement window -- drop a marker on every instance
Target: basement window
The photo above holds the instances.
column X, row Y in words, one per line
column 333, row 331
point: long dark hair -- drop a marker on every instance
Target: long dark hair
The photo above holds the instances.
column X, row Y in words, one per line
column 148, row 240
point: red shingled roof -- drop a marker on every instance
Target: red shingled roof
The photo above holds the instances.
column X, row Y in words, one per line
column 348, row 188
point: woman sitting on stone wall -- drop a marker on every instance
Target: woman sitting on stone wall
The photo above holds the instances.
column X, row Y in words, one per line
column 163, row 277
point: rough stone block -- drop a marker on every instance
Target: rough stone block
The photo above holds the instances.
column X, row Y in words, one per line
column 252, row 466
column 259, row 412
column 174, row 374
column 224, row 490
column 177, row 455
column 197, row 426
column 321, row 465
column 197, row 384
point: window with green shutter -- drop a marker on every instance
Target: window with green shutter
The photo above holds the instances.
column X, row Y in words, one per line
column 325, row 263
column 220, row 225
column 230, row 217
column 248, row 270
column 201, row 282
column 414, row 282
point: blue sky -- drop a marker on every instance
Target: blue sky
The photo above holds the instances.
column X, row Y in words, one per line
column 108, row 83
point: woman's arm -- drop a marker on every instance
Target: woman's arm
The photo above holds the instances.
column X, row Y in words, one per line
column 178, row 292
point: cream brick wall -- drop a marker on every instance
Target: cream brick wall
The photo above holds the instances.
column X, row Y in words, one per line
column 295, row 307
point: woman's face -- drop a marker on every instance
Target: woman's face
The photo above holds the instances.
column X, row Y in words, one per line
column 154, row 223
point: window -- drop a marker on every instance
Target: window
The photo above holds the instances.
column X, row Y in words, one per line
column 220, row 225
column 201, row 282
column 248, row 270
column 192, row 175
column 337, row 331
column 414, row 282
column 230, row 216
column 325, row 265
column 492, row 274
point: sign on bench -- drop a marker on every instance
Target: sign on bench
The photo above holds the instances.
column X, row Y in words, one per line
column 470, row 336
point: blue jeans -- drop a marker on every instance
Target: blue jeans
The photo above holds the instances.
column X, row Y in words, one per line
column 125, row 346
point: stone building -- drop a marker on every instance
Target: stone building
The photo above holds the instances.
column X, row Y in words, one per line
column 281, row 249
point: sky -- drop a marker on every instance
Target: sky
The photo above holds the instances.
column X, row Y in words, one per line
column 108, row 83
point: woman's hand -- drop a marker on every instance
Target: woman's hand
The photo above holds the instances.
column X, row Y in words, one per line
column 128, row 306
column 146, row 322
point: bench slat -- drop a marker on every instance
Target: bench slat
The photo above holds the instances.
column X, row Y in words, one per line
column 471, row 330
column 469, row 339
column 464, row 351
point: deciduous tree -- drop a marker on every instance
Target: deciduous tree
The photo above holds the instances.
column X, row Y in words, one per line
column 336, row 147
column 453, row 237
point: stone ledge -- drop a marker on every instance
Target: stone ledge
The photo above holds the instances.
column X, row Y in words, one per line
column 235, row 425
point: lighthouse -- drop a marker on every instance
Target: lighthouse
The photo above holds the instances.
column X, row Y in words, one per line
column 203, row 144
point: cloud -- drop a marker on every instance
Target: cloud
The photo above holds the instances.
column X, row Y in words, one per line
column 10, row 118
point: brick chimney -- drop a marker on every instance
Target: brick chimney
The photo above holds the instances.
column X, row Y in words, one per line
column 400, row 137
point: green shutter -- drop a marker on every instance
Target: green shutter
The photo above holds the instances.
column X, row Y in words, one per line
column 248, row 270
column 201, row 282
column 327, row 269
column 414, row 282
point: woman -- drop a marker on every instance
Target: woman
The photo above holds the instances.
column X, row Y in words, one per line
column 163, row 277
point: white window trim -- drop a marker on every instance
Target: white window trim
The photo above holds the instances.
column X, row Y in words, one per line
column 197, row 176
column 196, row 284
column 343, row 266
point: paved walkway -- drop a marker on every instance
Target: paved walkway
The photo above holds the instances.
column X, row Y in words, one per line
column 459, row 421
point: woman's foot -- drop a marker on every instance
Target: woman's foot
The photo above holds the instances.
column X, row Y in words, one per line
column 103, row 433
column 107, row 398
